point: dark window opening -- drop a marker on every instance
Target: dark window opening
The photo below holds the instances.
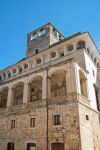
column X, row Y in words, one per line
column 9, row 74
column 61, row 54
column 32, row 122
column 57, row 119
column 87, row 117
column 53, row 55
column 20, row 70
column 10, row 146
column 31, row 146
column 36, row 51
column 12, row 124
column 38, row 61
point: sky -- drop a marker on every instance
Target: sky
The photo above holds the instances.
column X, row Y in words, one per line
column 19, row 17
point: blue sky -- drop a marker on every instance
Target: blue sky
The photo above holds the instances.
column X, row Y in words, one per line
column 19, row 17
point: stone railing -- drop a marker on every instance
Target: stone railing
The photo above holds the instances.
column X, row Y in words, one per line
column 69, row 98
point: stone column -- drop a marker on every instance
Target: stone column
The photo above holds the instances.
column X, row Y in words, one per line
column 71, row 78
column 10, row 97
column 44, row 86
column 25, row 92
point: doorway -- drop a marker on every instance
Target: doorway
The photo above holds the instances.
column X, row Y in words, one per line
column 57, row 146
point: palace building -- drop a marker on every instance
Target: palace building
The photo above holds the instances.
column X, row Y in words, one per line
column 50, row 100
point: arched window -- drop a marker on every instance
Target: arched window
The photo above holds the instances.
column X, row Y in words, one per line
column 35, row 89
column 80, row 45
column 83, row 84
column 20, row 70
column 3, row 98
column 58, row 84
column 18, row 94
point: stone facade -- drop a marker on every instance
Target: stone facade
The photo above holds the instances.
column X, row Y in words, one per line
column 51, row 99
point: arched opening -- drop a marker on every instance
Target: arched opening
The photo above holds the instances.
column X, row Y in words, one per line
column 58, row 84
column 18, row 94
column 3, row 98
column 35, row 89
column 83, row 84
column 57, row 146
column 80, row 45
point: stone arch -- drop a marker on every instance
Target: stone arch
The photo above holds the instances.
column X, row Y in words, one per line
column 35, row 88
column 17, row 97
column 58, row 83
column 3, row 97
column 83, row 83
column 81, row 44
column 53, row 70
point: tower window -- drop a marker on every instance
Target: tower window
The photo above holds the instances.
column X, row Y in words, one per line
column 32, row 122
column 35, row 35
column 12, row 124
column 56, row 119
column 36, row 51
column 42, row 31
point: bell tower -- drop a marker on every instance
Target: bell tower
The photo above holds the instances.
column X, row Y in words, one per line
column 40, row 39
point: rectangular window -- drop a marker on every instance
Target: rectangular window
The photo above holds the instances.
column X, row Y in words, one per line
column 32, row 122
column 10, row 146
column 57, row 119
column 12, row 124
